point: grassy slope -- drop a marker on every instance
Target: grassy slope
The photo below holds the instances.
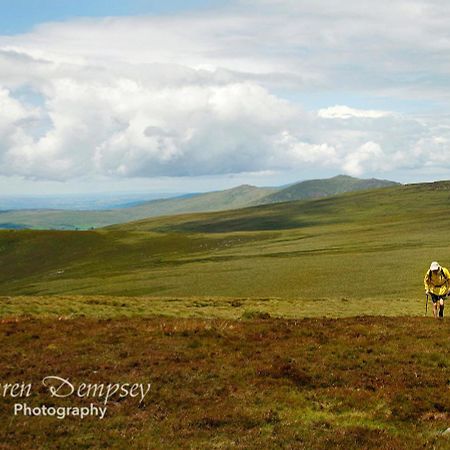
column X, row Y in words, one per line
column 366, row 383
column 371, row 245
column 62, row 219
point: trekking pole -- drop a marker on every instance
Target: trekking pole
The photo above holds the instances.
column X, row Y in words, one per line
column 426, row 305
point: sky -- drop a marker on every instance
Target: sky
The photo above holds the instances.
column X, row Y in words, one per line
column 192, row 96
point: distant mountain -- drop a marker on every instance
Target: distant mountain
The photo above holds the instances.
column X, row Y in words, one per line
column 312, row 189
column 235, row 198
column 238, row 197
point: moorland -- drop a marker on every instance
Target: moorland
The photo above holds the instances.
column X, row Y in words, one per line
column 295, row 324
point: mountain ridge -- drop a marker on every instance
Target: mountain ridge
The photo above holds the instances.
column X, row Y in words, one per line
column 320, row 188
column 241, row 196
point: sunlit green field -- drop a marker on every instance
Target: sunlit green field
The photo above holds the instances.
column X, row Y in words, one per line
column 353, row 254
column 202, row 307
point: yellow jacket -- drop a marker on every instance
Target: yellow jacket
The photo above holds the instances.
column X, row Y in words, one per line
column 437, row 283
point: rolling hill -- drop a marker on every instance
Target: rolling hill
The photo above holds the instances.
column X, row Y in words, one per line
column 238, row 197
column 372, row 245
column 312, row 189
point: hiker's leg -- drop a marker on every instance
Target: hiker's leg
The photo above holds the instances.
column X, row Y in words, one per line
column 434, row 299
column 441, row 307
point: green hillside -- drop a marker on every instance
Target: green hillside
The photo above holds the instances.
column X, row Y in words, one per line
column 239, row 197
column 324, row 188
column 234, row 198
column 373, row 246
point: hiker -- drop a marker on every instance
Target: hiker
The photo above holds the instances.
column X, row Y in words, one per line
column 437, row 286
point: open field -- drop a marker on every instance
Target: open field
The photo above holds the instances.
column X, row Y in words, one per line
column 233, row 308
column 372, row 247
column 359, row 383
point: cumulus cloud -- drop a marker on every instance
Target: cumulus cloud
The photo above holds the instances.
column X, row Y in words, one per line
column 344, row 112
column 198, row 94
column 368, row 156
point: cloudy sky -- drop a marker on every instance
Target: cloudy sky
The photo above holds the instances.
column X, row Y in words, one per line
column 197, row 95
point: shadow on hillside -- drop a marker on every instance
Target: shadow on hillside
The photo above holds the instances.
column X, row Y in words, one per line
column 276, row 221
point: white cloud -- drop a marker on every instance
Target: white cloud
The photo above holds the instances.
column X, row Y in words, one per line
column 344, row 112
column 195, row 95
column 297, row 152
column 368, row 156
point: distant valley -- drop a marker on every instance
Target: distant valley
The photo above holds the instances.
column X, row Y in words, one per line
column 80, row 202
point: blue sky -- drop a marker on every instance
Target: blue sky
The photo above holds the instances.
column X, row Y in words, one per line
column 19, row 16
column 198, row 95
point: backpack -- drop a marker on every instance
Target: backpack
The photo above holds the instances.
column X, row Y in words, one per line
column 442, row 272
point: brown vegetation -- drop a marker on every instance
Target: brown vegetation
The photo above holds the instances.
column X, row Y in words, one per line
column 355, row 383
